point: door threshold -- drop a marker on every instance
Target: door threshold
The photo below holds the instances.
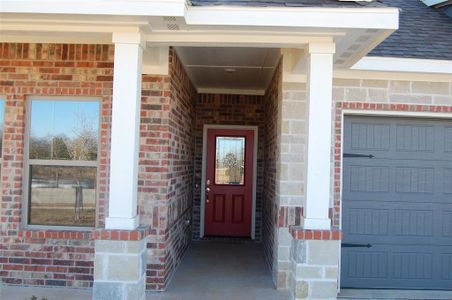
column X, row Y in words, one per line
column 393, row 294
column 227, row 239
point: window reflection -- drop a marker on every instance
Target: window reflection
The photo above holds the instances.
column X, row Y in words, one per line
column 230, row 160
column 62, row 195
column 64, row 130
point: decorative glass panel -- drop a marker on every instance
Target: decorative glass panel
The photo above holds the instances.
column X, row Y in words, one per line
column 64, row 130
column 62, row 195
column 230, row 160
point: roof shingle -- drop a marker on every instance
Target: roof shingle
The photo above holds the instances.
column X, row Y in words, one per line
column 424, row 32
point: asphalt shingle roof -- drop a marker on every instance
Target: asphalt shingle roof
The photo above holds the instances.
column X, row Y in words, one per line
column 424, row 32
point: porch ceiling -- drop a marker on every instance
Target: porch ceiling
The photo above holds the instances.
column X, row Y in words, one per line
column 220, row 70
column 354, row 31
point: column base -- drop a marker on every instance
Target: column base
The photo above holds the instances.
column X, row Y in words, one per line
column 121, row 223
column 315, row 267
column 119, row 270
column 316, row 224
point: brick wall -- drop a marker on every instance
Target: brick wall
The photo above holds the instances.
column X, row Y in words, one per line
column 270, row 205
column 167, row 192
column 65, row 258
column 46, row 257
column 229, row 110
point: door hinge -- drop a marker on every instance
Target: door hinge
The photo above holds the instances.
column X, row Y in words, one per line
column 358, row 155
column 347, row 245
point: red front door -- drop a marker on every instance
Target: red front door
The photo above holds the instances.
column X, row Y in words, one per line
column 229, row 182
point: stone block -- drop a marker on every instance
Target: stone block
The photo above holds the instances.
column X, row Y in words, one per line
column 338, row 94
column 308, row 272
column 377, row 95
column 124, row 268
column 442, row 100
column 346, row 82
column 355, row 95
column 323, row 289
column 399, row 86
column 293, row 110
column 108, row 291
column 281, row 280
column 109, row 246
column 301, row 289
column 374, row 83
column 427, row 87
column 323, row 252
column 414, row 99
column 100, row 262
column 298, row 251
column 331, row 273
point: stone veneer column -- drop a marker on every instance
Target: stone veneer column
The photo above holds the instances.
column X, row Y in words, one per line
column 120, row 260
column 315, row 264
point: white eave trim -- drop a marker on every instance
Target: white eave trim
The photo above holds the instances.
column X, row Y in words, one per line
column 97, row 7
column 413, row 65
column 370, row 18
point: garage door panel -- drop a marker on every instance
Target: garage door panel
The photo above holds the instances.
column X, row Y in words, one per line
column 409, row 266
column 409, row 223
column 399, row 202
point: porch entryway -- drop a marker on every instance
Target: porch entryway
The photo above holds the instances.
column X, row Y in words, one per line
column 222, row 270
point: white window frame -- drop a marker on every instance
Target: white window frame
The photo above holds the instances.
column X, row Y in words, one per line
column 43, row 162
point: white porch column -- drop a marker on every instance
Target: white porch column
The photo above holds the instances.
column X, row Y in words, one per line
column 122, row 208
column 319, row 141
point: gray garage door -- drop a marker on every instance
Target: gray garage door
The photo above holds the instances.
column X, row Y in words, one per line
column 399, row 202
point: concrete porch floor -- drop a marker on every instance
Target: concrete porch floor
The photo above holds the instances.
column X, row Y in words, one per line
column 210, row 270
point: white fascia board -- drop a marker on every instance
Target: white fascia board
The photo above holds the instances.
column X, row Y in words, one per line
column 97, row 7
column 371, row 18
column 413, row 65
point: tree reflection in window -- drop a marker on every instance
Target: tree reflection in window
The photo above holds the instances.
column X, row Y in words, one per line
column 62, row 171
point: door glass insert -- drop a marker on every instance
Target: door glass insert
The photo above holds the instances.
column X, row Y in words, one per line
column 230, row 160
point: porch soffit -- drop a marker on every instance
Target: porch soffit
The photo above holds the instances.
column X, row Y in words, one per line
column 355, row 31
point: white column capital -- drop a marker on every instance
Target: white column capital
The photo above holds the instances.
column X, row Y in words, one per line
column 321, row 48
column 136, row 38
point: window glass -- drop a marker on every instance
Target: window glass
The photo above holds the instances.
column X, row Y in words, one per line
column 230, row 159
column 64, row 130
column 62, row 195
column 62, row 169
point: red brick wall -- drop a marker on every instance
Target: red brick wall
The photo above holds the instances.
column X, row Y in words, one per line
column 65, row 258
column 62, row 259
column 271, row 156
column 171, row 196
column 220, row 109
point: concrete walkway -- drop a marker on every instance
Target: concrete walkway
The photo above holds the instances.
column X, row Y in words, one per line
column 210, row 270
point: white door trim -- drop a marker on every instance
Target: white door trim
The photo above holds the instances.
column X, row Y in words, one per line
column 203, row 176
